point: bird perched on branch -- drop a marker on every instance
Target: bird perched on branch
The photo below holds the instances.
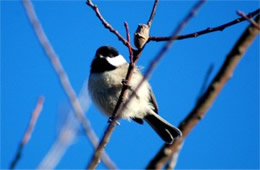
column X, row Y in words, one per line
column 108, row 69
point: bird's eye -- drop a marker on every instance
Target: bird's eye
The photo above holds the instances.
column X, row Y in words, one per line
column 112, row 56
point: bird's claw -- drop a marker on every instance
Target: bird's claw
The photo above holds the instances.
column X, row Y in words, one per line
column 111, row 119
column 124, row 82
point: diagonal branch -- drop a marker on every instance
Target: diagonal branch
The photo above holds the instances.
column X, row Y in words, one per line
column 207, row 30
column 120, row 105
column 28, row 132
column 206, row 101
column 64, row 80
column 105, row 23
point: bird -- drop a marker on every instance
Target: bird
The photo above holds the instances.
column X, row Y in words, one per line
column 107, row 71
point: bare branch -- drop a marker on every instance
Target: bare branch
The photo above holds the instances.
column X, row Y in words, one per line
column 120, row 107
column 116, row 113
column 149, row 22
column 28, row 132
column 64, row 80
column 105, row 23
column 206, row 101
column 129, row 43
column 207, row 30
column 242, row 14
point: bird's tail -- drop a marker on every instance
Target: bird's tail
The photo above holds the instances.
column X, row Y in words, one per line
column 163, row 128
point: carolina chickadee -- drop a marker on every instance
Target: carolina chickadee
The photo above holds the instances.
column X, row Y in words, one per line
column 108, row 69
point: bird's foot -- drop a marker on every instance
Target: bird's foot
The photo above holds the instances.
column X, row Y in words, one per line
column 111, row 119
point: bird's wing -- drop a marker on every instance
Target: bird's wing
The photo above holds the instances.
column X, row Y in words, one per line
column 152, row 97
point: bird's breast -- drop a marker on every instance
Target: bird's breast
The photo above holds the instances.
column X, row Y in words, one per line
column 104, row 91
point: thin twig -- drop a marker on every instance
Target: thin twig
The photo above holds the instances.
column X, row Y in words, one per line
column 64, row 80
column 119, row 107
column 206, row 101
column 205, row 31
column 129, row 43
column 242, row 14
column 149, row 22
column 105, row 23
column 28, row 132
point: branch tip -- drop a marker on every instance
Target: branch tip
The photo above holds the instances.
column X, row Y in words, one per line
column 205, row 31
column 28, row 132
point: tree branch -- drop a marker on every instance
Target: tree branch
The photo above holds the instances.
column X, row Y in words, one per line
column 113, row 120
column 120, row 107
column 64, row 80
column 149, row 22
column 206, row 101
column 28, row 132
column 105, row 23
column 205, row 31
column 131, row 57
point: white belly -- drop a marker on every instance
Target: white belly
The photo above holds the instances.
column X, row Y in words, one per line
column 105, row 91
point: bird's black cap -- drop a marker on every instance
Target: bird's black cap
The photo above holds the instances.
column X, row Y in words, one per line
column 107, row 51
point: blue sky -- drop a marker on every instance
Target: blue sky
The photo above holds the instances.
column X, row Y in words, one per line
column 227, row 137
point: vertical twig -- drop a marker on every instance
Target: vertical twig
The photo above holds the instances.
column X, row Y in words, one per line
column 64, row 80
column 129, row 43
column 209, row 96
column 28, row 132
column 149, row 22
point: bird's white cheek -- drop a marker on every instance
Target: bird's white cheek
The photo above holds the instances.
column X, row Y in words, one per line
column 116, row 61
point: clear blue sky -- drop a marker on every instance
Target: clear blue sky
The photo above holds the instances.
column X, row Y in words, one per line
column 227, row 137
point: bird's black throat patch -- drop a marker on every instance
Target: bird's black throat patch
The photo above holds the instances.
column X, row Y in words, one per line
column 100, row 65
